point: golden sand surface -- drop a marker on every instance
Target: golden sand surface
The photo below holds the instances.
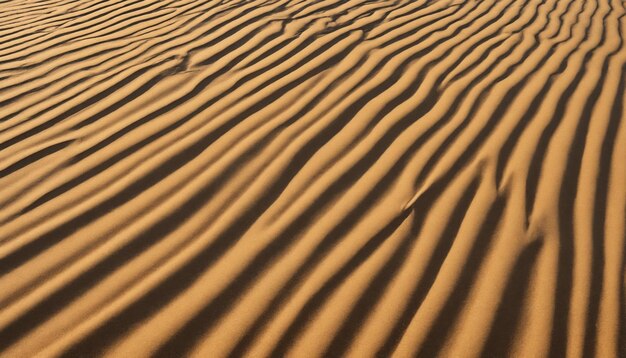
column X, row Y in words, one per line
column 312, row 178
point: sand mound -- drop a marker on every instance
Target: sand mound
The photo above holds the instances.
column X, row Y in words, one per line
column 312, row 178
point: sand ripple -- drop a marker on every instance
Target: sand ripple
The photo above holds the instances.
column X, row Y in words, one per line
column 303, row 178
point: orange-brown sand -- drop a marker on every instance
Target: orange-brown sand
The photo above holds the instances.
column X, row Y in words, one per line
column 312, row 178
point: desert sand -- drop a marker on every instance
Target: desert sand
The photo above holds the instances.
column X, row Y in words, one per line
column 312, row 178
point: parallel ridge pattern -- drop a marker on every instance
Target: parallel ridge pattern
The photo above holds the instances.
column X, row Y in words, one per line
column 312, row 178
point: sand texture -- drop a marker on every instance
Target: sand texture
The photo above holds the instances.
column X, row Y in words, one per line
column 312, row 178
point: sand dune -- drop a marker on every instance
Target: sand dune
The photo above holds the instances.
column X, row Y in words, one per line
column 303, row 178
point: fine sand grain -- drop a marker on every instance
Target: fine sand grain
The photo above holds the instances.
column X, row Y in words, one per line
column 312, row 178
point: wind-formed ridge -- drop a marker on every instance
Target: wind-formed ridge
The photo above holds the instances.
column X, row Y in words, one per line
column 300, row 178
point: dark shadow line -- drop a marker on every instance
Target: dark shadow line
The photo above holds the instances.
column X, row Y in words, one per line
column 455, row 302
column 377, row 287
column 507, row 319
